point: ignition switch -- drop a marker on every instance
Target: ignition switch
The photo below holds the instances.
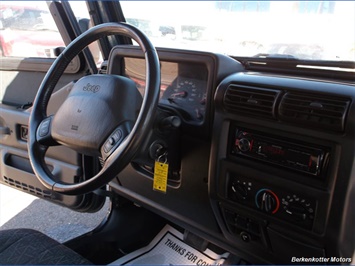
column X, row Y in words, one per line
column 157, row 149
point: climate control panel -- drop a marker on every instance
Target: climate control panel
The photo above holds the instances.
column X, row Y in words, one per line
column 284, row 204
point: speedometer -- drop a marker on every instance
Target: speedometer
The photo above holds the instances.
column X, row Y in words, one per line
column 189, row 96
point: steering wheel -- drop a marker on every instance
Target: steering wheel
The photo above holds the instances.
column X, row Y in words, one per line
column 103, row 115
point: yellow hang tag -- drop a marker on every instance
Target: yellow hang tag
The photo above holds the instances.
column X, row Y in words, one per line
column 160, row 176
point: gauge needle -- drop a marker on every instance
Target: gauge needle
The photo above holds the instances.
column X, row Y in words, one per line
column 182, row 94
column 171, row 100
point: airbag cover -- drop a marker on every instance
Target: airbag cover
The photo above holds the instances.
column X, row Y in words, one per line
column 96, row 106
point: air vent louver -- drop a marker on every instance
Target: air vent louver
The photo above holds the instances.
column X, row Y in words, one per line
column 251, row 100
column 314, row 110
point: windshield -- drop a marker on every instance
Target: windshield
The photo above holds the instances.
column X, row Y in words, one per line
column 315, row 30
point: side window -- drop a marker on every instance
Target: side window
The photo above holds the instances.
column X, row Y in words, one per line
column 29, row 36
column 82, row 15
column 27, row 29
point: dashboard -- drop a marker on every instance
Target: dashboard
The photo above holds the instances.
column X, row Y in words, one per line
column 262, row 164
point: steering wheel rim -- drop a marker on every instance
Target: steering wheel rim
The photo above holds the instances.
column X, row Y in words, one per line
column 130, row 145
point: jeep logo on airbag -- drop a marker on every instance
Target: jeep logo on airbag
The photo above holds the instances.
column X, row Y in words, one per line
column 91, row 88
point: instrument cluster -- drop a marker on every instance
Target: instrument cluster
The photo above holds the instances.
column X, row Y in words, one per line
column 183, row 86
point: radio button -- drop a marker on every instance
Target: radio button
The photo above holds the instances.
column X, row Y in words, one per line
column 244, row 145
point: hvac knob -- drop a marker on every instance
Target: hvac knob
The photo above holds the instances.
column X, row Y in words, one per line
column 244, row 144
column 267, row 201
column 297, row 211
column 239, row 191
column 298, row 208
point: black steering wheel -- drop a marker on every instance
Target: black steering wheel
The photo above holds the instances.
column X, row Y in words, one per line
column 103, row 115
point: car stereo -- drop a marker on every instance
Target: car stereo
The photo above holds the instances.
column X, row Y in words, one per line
column 300, row 157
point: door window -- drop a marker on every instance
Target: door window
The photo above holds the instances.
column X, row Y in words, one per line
column 27, row 29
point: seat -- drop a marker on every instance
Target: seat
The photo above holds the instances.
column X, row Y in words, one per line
column 27, row 246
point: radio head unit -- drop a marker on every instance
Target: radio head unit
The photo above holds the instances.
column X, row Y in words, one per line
column 289, row 154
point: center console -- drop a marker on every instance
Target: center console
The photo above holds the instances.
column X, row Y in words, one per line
column 283, row 203
column 272, row 183
column 269, row 193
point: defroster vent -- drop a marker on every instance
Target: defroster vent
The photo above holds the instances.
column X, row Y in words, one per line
column 241, row 99
column 314, row 110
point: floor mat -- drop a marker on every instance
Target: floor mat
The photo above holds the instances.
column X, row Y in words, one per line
column 168, row 248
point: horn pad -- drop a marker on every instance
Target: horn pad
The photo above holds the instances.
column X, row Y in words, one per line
column 96, row 106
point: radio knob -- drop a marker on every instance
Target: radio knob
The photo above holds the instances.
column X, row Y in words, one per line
column 267, row 201
column 244, row 145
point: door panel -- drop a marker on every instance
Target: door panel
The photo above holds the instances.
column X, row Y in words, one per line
column 25, row 59
column 17, row 89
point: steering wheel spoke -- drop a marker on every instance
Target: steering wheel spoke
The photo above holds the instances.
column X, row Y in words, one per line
column 44, row 133
column 114, row 140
